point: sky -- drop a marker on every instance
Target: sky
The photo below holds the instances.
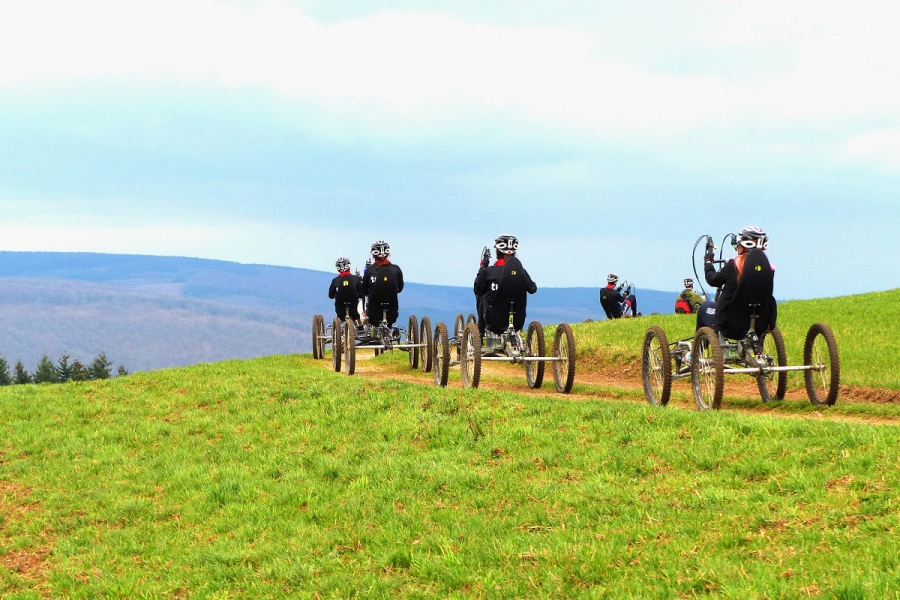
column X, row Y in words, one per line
column 607, row 136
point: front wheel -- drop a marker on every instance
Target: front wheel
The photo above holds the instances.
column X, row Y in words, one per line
column 656, row 366
column 773, row 386
column 441, row 355
column 534, row 346
column 412, row 337
column 336, row 346
column 564, row 352
column 821, row 353
column 471, row 356
column 426, row 352
column 350, row 345
column 315, row 337
column 707, row 369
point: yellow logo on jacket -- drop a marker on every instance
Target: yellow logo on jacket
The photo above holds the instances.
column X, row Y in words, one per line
column 513, row 272
column 346, row 283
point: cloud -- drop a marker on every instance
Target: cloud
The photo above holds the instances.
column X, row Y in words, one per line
column 881, row 148
column 417, row 73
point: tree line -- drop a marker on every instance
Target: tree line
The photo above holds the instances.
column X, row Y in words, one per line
column 65, row 369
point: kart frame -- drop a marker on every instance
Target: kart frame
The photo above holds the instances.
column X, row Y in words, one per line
column 346, row 337
column 708, row 357
column 528, row 349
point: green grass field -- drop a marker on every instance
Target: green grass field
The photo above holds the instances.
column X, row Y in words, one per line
column 276, row 478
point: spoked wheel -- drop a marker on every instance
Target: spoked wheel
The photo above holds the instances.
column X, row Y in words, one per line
column 564, row 350
column 412, row 337
column 315, row 337
column 350, row 346
column 336, row 346
column 656, row 366
column 774, row 385
column 426, row 352
column 534, row 346
column 820, row 351
column 707, row 369
column 459, row 325
column 320, row 335
column 441, row 355
column 471, row 356
column 471, row 319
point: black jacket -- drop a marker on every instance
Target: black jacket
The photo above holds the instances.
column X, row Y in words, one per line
column 382, row 282
column 346, row 290
column 611, row 300
column 503, row 283
column 728, row 279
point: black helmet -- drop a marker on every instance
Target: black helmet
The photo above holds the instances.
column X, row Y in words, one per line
column 612, row 278
column 380, row 249
column 507, row 244
column 342, row 264
column 752, row 237
column 689, row 282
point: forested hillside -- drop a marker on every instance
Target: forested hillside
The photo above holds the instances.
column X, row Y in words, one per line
column 148, row 312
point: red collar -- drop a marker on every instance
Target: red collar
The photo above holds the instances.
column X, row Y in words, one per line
column 500, row 262
column 381, row 263
column 344, row 274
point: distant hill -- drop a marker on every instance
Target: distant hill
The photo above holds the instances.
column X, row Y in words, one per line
column 149, row 312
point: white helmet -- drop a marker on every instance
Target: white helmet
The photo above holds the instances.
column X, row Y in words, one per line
column 612, row 278
column 507, row 244
column 689, row 282
column 380, row 249
column 342, row 264
column 752, row 237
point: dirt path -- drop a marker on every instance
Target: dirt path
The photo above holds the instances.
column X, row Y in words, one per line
column 625, row 385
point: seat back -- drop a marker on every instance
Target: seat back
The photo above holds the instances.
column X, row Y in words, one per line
column 752, row 298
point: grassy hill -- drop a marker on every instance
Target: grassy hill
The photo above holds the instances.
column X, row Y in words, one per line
column 276, row 478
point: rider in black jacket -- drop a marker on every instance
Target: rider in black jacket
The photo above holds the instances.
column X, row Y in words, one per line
column 346, row 290
column 503, row 286
column 382, row 281
column 726, row 278
column 612, row 299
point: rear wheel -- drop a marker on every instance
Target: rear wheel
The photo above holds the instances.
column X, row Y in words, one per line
column 459, row 325
column 656, row 366
column 707, row 370
column 336, row 346
column 350, row 346
column 471, row 356
column 564, row 351
column 441, row 355
column 412, row 337
column 820, row 351
column 426, row 352
column 773, row 385
column 534, row 346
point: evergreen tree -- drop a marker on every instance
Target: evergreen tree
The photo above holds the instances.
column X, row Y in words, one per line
column 122, row 371
column 79, row 371
column 20, row 375
column 101, row 368
column 46, row 371
column 63, row 368
column 5, row 379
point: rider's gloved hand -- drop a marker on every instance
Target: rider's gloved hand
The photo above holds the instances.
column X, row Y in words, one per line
column 484, row 263
column 709, row 256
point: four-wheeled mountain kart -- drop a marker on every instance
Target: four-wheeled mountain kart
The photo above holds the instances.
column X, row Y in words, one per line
column 466, row 348
column 346, row 337
column 749, row 345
